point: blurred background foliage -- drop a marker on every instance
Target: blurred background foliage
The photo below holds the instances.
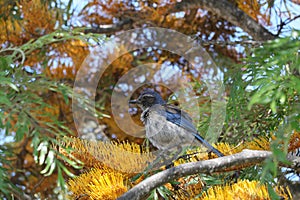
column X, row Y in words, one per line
column 44, row 43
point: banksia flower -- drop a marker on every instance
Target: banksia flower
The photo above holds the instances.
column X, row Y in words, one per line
column 98, row 183
column 124, row 156
column 243, row 189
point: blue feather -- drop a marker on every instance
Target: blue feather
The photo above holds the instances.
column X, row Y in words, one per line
column 182, row 119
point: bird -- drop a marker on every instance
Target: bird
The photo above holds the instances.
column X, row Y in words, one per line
column 167, row 126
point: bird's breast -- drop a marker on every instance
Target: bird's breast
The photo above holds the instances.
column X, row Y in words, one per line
column 162, row 133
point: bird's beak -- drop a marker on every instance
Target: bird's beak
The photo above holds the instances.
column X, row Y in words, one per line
column 135, row 101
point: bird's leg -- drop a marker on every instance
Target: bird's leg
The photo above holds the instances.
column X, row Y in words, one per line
column 164, row 158
column 185, row 157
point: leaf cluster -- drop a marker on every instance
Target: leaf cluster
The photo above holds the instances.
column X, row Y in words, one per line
column 30, row 113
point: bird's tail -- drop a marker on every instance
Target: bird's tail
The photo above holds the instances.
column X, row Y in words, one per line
column 207, row 145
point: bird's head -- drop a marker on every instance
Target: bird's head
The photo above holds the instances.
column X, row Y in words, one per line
column 147, row 99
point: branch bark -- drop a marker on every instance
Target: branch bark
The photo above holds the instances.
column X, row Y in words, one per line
column 229, row 12
column 222, row 164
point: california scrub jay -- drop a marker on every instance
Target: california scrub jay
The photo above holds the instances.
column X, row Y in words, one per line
column 167, row 126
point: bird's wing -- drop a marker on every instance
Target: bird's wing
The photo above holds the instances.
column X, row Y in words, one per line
column 180, row 118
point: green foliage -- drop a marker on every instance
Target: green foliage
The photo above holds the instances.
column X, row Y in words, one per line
column 265, row 93
column 273, row 72
column 264, row 100
column 21, row 104
column 161, row 192
column 273, row 79
column 6, row 187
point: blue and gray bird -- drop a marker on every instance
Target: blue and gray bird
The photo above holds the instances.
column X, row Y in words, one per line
column 167, row 126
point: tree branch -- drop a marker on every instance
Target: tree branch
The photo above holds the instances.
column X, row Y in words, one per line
column 222, row 164
column 112, row 28
column 221, row 8
column 296, row 2
column 284, row 23
column 229, row 12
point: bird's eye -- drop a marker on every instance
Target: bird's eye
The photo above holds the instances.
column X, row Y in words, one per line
column 150, row 99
